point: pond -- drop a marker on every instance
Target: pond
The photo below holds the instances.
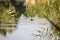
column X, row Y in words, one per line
column 34, row 28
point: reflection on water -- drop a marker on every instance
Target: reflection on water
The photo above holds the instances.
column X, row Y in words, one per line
column 34, row 28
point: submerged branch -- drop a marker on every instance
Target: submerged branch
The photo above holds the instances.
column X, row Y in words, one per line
column 57, row 27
